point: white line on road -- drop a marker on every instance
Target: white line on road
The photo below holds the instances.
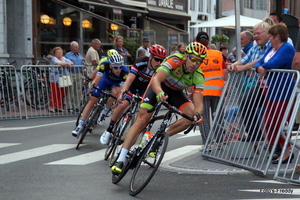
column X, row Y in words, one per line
column 2, row 145
column 31, row 153
column 84, row 159
column 176, row 153
column 38, row 126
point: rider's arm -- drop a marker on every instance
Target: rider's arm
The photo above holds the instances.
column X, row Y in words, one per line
column 156, row 81
column 128, row 82
column 97, row 78
column 198, row 101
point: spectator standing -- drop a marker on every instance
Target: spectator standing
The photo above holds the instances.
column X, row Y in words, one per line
column 144, row 49
column 232, row 56
column 279, row 92
column 180, row 48
column 92, row 56
column 247, row 62
column 296, row 66
column 57, row 93
column 224, row 51
column 256, row 52
column 123, row 51
column 74, row 92
column 246, row 40
column 277, row 18
column 214, row 70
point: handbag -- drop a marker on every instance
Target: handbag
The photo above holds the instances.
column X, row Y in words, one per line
column 64, row 81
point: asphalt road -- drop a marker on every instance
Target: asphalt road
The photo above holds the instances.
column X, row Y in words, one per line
column 38, row 160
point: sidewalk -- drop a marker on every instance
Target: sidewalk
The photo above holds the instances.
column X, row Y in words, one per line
column 194, row 163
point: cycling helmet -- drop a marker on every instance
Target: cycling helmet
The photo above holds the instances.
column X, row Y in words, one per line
column 158, row 50
column 111, row 52
column 116, row 59
column 197, row 48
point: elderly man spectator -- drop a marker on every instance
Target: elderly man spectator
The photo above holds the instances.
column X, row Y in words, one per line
column 145, row 46
column 92, row 56
column 74, row 92
column 256, row 52
column 246, row 40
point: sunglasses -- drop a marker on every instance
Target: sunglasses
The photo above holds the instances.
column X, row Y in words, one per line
column 158, row 59
column 117, row 67
column 195, row 60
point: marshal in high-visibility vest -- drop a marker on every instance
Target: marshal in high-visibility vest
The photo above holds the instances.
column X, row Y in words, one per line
column 212, row 69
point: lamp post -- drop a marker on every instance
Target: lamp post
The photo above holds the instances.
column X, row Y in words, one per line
column 45, row 19
column 67, row 21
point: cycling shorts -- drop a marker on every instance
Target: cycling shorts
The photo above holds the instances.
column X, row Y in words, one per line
column 175, row 98
column 104, row 84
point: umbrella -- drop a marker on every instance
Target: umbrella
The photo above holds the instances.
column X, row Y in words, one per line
column 229, row 22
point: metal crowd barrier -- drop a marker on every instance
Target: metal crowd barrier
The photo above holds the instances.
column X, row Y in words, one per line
column 287, row 172
column 28, row 93
column 31, row 91
column 9, row 93
column 238, row 132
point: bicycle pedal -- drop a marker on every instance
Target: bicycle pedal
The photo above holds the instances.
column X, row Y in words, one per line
column 120, row 142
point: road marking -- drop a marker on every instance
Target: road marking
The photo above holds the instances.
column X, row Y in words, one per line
column 2, row 145
column 38, row 126
column 176, row 153
column 269, row 181
column 31, row 153
column 190, row 134
column 84, row 159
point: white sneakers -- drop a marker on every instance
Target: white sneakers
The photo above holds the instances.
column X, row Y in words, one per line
column 76, row 131
column 104, row 139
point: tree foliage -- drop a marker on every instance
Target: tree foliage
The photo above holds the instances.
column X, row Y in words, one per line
column 219, row 39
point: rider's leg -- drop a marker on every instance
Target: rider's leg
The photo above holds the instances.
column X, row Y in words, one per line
column 118, row 111
column 183, row 123
column 134, row 131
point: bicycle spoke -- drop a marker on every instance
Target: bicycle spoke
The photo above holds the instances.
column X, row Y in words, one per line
column 147, row 165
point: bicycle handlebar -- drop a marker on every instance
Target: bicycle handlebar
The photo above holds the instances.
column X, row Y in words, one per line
column 103, row 91
column 174, row 110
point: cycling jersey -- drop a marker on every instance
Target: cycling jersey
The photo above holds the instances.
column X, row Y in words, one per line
column 177, row 79
column 175, row 82
column 101, row 62
column 109, row 79
column 143, row 75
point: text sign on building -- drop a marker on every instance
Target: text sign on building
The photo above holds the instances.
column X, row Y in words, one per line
column 170, row 4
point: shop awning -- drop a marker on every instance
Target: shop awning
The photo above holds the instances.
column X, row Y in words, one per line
column 168, row 13
column 91, row 13
column 133, row 3
column 165, row 24
column 125, row 2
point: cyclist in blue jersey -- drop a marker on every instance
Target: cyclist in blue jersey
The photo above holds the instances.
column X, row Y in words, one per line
column 111, row 75
column 138, row 78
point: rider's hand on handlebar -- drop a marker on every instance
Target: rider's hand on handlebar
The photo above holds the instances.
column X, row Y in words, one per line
column 198, row 119
column 161, row 96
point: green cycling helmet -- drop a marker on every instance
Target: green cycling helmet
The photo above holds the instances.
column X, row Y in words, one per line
column 197, row 48
column 111, row 52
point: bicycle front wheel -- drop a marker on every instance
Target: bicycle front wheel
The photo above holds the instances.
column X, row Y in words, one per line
column 147, row 165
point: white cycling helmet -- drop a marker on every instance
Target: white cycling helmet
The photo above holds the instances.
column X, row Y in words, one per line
column 116, row 59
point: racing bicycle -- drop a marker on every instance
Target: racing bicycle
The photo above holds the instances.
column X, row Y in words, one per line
column 141, row 158
column 91, row 122
column 120, row 127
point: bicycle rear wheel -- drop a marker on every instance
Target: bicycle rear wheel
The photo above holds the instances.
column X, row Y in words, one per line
column 147, row 166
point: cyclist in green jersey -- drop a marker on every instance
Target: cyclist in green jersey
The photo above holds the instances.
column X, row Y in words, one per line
column 177, row 72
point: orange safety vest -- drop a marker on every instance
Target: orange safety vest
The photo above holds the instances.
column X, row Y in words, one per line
column 212, row 69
